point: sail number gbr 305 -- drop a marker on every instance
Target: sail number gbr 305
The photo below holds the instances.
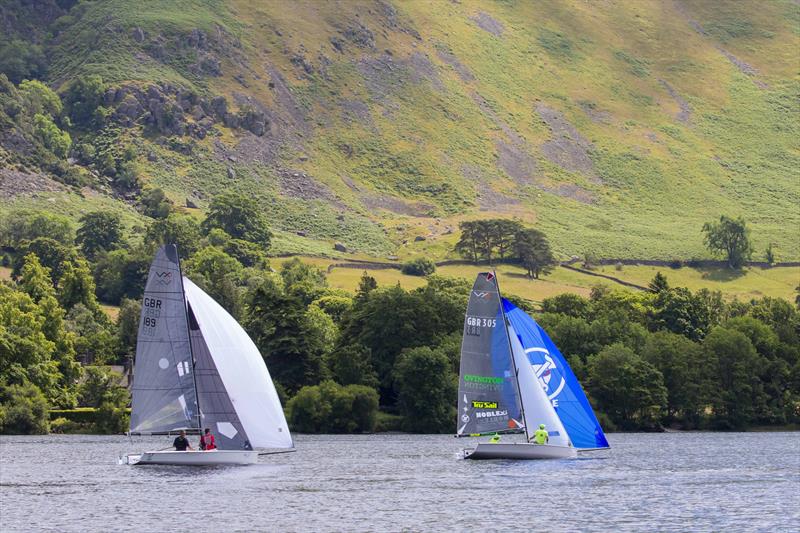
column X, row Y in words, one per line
column 474, row 324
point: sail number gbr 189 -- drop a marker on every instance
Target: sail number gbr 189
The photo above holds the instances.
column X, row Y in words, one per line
column 151, row 315
column 474, row 324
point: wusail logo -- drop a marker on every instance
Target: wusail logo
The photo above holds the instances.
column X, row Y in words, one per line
column 163, row 278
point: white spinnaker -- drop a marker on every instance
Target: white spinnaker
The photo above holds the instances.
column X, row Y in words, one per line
column 242, row 370
column 536, row 405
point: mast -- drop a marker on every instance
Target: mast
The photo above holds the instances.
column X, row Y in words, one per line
column 189, row 334
column 513, row 360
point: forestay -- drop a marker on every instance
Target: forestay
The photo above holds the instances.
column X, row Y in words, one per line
column 488, row 399
column 558, row 381
column 243, row 375
column 163, row 386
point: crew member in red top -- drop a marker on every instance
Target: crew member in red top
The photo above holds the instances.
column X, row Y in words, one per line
column 207, row 441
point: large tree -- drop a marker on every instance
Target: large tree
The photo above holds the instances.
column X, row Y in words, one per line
column 730, row 237
column 627, row 388
column 426, row 386
column 292, row 345
column 99, row 231
column 735, row 365
column 238, row 216
column 533, row 251
column 181, row 230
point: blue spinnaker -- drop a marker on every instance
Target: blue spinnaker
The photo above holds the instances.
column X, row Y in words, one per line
column 558, row 380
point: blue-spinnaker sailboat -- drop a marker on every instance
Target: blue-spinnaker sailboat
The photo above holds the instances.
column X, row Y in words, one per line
column 557, row 379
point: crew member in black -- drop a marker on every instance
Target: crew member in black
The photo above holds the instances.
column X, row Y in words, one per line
column 181, row 443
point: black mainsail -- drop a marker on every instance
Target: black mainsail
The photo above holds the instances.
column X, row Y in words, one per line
column 164, row 396
column 488, row 395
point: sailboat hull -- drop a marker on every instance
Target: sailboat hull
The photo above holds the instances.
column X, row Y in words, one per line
column 194, row 458
column 519, row 450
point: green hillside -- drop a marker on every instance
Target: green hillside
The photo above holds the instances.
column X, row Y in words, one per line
column 618, row 128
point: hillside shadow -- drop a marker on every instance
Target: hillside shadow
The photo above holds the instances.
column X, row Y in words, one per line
column 720, row 274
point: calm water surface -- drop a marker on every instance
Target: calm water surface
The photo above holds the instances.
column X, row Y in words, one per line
column 648, row 482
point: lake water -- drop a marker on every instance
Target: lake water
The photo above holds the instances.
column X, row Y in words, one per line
column 647, row 482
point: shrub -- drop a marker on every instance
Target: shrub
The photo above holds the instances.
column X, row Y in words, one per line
column 111, row 419
column 23, row 410
column 52, row 138
column 388, row 422
column 331, row 408
column 419, row 267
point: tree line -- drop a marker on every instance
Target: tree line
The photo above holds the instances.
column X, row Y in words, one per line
column 382, row 358
column 506, row 240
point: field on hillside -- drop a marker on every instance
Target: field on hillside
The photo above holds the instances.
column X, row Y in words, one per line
column 617, row 130
column 752, row 283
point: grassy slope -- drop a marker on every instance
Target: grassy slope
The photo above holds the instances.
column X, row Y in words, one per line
column 655, row 181
column 751, row 283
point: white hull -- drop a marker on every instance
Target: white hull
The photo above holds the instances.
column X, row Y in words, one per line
column 519, row 450
column 193, row 458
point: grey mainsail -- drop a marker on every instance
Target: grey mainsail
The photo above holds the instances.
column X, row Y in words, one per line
column 164, row 396
column 216, row 410
column 488, row 398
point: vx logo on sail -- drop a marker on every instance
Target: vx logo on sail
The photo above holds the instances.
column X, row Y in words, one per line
column 163, row 278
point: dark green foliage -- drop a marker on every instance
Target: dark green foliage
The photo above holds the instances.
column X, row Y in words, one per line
column 658, row 283
column 678, row 359
column 419, row 267
column 736, row 395
column 155, row 203
column 533, row 251
column 352, row 365
column 128, row 327
column 76, row 286
column 365, row 285
column 180, row 230
column 23, row 410
column 121, row 274
column 102, row 385
column 331, row 408
column 99, row 231
column 22, row 60
column 680, row 311
column 730, row 237
column 389, row 320
column 51, row 254
column 55, row 140
column 567, row 304
column 218, row 274
column 26, row 225
column 94, row 339
column 627, row 388
column 277, row 323
column 238, row 216
column 485, row 239
column 83, row 100
column 426, row 386
column 247, row 253
column 769, row 255
column 304, row 280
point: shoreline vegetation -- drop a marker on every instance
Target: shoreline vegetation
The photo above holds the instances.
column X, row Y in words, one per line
column 380, row 356
column 82, row 421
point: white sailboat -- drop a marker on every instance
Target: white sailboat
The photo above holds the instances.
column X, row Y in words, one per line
column 500, row 390
column 195, row 368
